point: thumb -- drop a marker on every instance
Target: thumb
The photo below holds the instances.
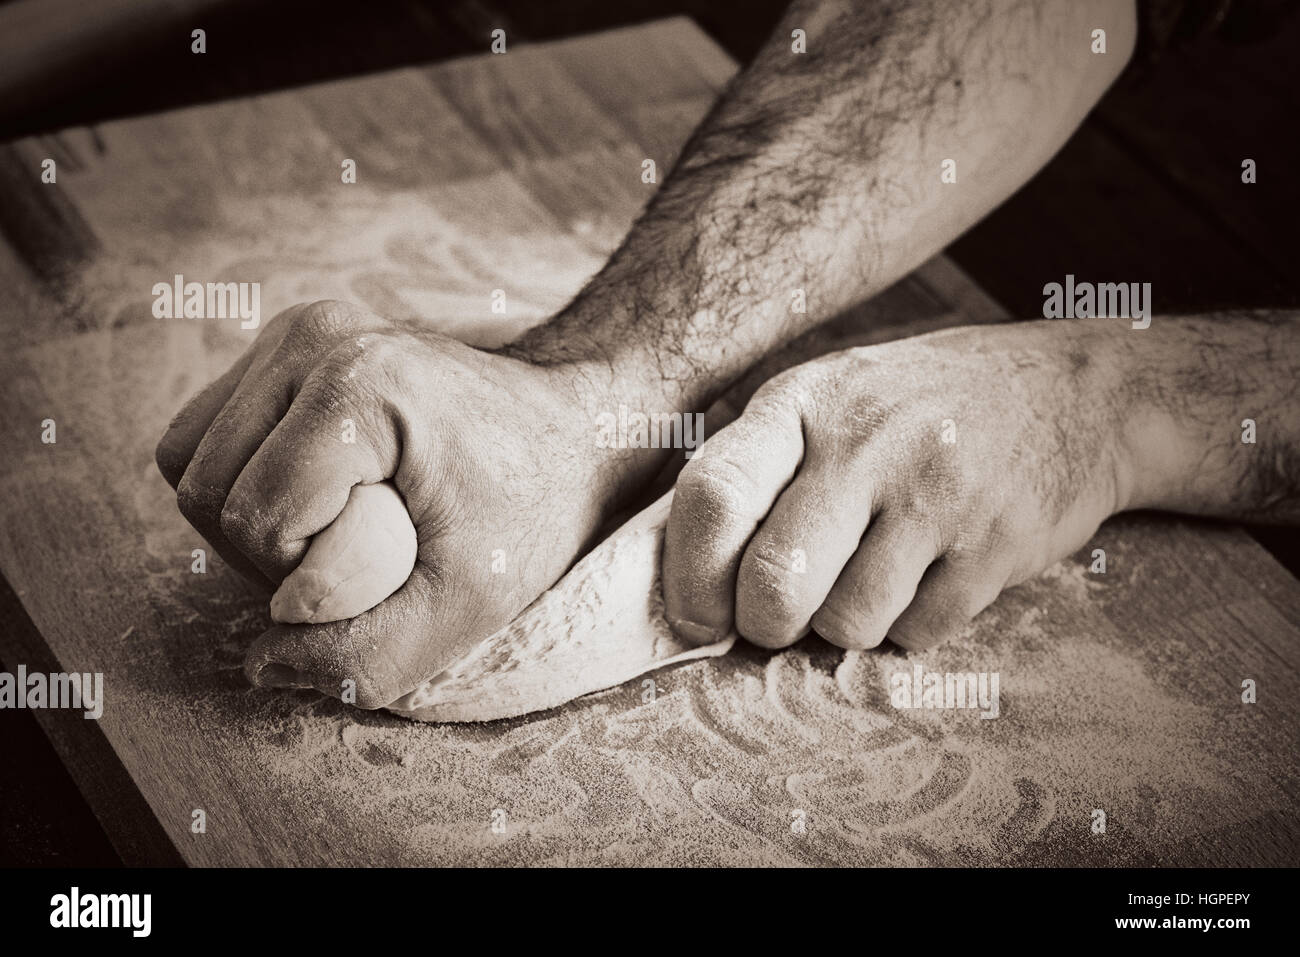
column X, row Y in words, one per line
column 357, row 561
column 379, row 655
column 447, row 606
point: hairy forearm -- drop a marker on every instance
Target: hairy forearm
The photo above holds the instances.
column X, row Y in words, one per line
column 1211, row 407
column 817, row 177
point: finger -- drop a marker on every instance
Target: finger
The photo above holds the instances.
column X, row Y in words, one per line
column 305, row 349
column 215, row 446
column 187, row 428
column 878, row 583
column 200, row 505
column 238, row 429
column 950, row 594
column 721, row 496
column 300, row 478
column 233, row 436
column 798, row 552
column 384, row 653
column 176, row 447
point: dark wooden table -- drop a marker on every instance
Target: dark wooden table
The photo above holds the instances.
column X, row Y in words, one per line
column 1149, row 186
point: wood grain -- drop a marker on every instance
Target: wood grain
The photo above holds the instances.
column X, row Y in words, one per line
column 521, row 172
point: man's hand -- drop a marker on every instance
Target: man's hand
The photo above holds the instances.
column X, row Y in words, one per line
column 494, row 457
column 897, row 489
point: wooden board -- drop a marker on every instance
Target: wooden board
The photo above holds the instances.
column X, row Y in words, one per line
column 521, row 172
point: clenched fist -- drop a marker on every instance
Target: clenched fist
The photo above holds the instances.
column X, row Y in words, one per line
column 493, row 457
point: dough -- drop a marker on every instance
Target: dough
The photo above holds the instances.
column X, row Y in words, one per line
column 357, row 561
column 602, row 624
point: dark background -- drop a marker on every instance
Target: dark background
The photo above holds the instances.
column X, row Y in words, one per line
column 1148, row 189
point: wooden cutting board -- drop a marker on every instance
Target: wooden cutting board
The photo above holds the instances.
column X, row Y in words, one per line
column 1119, row 692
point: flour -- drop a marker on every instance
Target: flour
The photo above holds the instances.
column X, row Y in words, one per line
column 798, row 758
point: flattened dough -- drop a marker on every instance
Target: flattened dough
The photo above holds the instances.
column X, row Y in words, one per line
column 602, row 624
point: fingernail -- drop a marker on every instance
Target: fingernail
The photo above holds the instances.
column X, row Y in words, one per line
column 274, row 675
column 695, row 634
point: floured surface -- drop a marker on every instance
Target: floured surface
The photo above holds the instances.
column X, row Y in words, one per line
column 714, row 769
column 1118, row 692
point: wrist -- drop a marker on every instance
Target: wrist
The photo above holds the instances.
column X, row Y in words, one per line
column 1154, row 457
column 1095, row 373
column 599, row 356
column 620, row 424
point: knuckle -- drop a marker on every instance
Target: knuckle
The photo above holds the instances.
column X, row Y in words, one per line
column 377, row 355
column 720, row 480
column 197, row 502
column 926, row 501
column 245, row 526
column 366, row 361
column 866, row 417
column 236, row 525
column 170, row 460
column 772, row 565
column 710, row 484
column 317, row 322
column 914, row 504
column 791, row 388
